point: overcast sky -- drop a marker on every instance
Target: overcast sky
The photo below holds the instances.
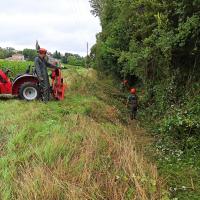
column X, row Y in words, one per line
column 63, row 25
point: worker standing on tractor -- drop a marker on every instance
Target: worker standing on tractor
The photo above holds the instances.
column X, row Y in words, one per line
column 132, row 103
column 41, row 65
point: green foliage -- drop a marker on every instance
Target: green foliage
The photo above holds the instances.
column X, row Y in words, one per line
column 159, row 42
column 150, row 39
column 180, row 169
column 76, row 60
column 57, row 55
column 181, row 123
column 97, row 6
column 16, row 67
column 6, row 53
column 70, row 59
column 29, row 54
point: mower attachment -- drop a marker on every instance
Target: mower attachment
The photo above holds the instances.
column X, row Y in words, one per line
column 5, row 83
column 58, row 87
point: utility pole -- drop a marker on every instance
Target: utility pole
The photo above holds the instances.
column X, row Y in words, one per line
column 87, row 58
column 87, row 48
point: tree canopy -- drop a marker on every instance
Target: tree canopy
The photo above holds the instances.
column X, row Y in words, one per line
column 151, row 39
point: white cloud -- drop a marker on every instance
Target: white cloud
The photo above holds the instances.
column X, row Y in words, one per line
column 63, row 25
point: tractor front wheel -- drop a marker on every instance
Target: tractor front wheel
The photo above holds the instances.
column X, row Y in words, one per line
column 29, row 92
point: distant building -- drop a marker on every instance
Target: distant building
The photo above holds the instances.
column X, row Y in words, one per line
column 17, row 57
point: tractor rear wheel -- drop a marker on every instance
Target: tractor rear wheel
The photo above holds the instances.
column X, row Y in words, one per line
column 29, row 92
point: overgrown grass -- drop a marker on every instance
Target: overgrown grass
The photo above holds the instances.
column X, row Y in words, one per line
column 75, row 149
column 176, row 127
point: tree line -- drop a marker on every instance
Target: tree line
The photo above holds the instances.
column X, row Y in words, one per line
column 30, row 54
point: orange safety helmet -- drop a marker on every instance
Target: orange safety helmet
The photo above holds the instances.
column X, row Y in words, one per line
column 133, row 91
column 42, row 51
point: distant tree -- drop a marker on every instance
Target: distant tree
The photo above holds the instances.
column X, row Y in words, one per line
column 76, row 60
column 10, row 49
column 64, row 59
column 2, row 54
column 29, row 54
column 92, row 57
column 97, row 7
column 57, row 55
column 7, row 52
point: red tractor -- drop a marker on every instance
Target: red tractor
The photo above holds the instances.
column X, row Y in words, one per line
column 26, row 86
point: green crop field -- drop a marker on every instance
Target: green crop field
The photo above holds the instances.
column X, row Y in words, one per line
column 15, row 66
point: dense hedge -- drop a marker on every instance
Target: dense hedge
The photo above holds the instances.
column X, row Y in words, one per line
column 159, row 42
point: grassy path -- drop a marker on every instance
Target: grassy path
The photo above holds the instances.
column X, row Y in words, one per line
column 81, row 148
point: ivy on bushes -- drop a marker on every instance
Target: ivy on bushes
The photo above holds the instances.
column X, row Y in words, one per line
column 159, row 42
